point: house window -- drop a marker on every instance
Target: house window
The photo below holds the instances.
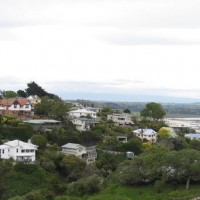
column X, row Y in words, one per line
column 3, row 151
column 17, row 150
column 15, row 105
column 27, row 106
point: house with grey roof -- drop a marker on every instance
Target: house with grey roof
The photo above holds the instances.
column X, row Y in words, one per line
column 146, row 134
column 18, row 150
column 84, row 124
column 121, row 119
column 86, row 153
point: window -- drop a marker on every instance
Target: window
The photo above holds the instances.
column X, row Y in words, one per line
column 27, row 106
column 3, row 151
column 15, row 105
column 17, row 150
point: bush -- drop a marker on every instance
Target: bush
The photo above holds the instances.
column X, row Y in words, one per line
column 84, row 186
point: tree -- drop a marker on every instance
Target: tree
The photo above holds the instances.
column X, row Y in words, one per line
column 72, row 167
column 21, row 93
column 183, row 165
column 39, row 140
column 9, row 94
column 153, row 111
column 34, row 89
column 127, row 111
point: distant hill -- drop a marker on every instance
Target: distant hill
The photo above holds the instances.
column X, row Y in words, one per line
column 172, row 109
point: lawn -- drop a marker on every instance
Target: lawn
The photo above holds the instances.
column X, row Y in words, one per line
column 115, row 192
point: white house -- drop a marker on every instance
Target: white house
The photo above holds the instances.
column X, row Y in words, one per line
column 193, row 136
column 146, row 134
column 18, row 107
column 83, row 124
column 82, row 112
column 18, row 150
column 88, row 154
column 121, row 119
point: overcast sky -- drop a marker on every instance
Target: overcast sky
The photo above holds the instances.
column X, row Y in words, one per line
column 101, row 48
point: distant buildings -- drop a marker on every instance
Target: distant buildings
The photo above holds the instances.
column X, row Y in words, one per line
column 18, row 150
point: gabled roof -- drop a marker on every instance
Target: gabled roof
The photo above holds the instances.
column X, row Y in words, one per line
column 145, row 131
column 22, row 101
column 9, row 102
column 15, row 143
column 72, row 145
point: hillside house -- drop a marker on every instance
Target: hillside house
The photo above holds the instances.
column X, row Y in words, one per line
column 121, row 119
column 82, row 112
column 18, row 107
column 18, row 150
column 88, row 154
column 146, row 134
column 84, row 124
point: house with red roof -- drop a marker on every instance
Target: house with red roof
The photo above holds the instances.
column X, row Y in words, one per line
column 18, row 107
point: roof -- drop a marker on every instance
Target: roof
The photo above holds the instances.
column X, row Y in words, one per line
column 9, row 102
column 82, row 111
column 193, row 135
column 22, row 101
column 15, row 143
column 41, row 121
column 145, row 131
column 72, row 145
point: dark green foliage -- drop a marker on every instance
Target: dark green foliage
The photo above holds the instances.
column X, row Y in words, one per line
column 39, row 140
column 23, row 179
column 21, row 132
column 21, row 93
column 72, row 167
column 34, row 89
column 54, row 108
column 108, row 162
column 127, row 111
column 9, row 94
column 194, row 144
column 134, row 145
column 90, row 185
column 153, row 111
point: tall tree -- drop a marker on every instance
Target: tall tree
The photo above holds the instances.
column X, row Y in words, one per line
column 153, row 111
column 34, row 89
column 21, row 93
